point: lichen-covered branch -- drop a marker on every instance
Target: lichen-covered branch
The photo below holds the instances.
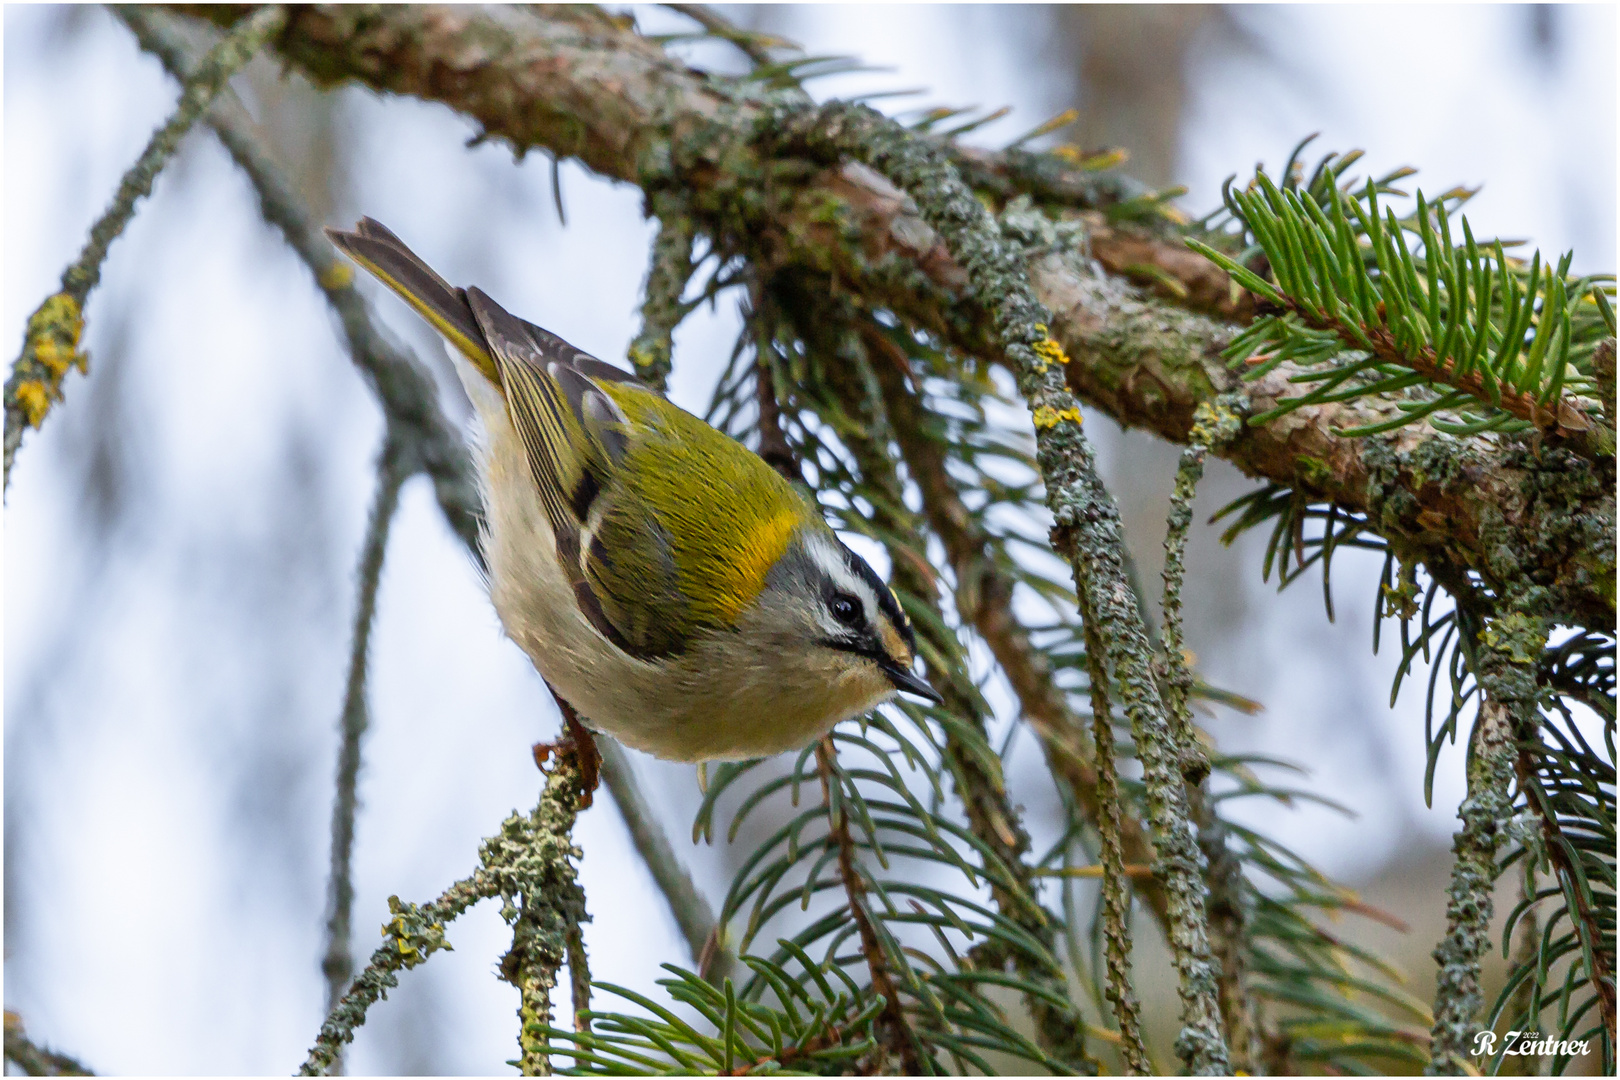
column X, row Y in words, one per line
column 1218, row 422
column 51, row 346
column 1504, row 652
column 338, row 965
column 1485, row 813
column 1116, row 890
column 544, row 906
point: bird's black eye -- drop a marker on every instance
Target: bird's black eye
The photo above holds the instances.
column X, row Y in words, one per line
column 845, row 608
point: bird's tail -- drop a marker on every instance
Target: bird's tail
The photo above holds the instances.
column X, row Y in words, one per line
column 378, row 250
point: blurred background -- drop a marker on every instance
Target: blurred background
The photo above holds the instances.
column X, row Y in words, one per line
column 180, row 540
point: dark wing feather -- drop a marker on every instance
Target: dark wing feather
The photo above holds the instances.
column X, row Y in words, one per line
column 574, row 436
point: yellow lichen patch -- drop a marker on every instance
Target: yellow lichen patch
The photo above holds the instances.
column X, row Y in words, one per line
column 1051, row 352
column 34, row 399
column 51, row 349
column 1048, row 351
column 339, row 275
column 1047, row 417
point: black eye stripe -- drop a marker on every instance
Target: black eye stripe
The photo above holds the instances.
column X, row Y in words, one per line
column 885, row 597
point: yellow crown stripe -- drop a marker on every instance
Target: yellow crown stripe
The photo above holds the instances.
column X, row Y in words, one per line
column 759, row 550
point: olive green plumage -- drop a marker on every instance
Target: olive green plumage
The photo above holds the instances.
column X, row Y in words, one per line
column 671, row 585
column 704, row 560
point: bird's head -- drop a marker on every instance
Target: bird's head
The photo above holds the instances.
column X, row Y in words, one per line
column 828, row 612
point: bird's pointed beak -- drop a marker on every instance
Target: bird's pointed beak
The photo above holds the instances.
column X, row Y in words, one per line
column 904, row 680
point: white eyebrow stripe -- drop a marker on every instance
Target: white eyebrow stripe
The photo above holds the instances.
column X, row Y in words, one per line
column 828, row 557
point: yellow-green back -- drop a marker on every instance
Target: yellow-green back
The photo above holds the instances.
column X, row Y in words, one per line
column 693, row 523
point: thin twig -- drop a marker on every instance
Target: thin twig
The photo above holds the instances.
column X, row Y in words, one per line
column 1228, row 904
column 338, row 966
column 51, row 347
column 413, row 934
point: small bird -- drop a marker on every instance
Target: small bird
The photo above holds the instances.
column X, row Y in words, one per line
column 665, row 581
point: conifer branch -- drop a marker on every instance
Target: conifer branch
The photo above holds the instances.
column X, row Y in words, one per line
column 1455, row 317
column 899, row 1041
column 1087, row 530
column 51, row 347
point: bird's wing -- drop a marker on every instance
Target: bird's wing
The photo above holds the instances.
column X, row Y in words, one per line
column 575, row 437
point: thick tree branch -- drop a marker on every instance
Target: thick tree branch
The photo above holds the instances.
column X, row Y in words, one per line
column 577, row 82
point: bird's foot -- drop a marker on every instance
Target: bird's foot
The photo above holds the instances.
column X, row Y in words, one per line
column 577, row 744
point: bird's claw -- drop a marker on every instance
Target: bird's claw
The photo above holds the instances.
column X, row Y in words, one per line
column 577, row 744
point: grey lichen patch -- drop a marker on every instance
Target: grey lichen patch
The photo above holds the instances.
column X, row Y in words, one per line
column 1545, row 516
